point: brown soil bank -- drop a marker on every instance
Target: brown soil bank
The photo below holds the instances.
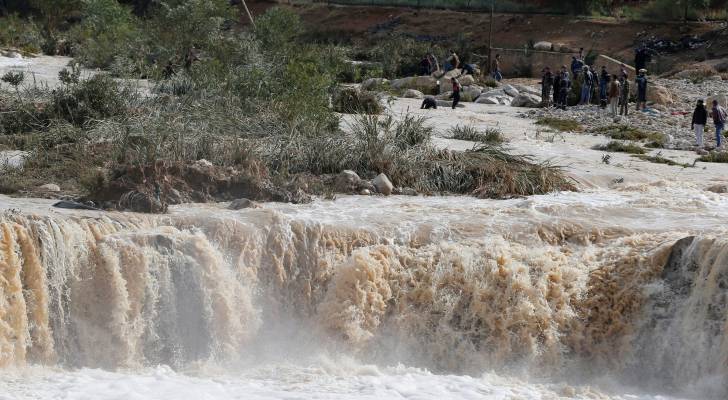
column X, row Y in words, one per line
column 609, row 36
column 152, row 187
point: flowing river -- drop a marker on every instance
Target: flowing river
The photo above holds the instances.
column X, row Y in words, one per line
column 600, row 294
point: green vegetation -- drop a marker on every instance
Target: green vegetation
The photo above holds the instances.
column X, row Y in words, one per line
column 626, row 132
column 563, row 125
column 260, row 107
column 620, row 147
column 715, row 157
column 354, row 101
column 659, row 159
column 469, row 133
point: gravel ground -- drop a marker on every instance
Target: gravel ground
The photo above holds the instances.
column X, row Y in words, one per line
column 673, row 121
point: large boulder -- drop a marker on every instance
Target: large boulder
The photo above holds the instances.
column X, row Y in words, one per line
column 526, row 100
column 413, row 94
column 374, row 83
column 471, row 93
column 347, row 182
column 425, row 84
column 543, row 46
column 528, row 89
column 510, row 90
column 659, row 95
column 487, row 100
column 383, row 185
column 243, row 203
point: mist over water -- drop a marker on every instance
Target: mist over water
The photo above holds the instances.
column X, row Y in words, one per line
column 373, row 298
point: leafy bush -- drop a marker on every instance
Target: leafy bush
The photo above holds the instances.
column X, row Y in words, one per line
column 108, row 30
column 21, row 33
column 96, row 98
column 399, row 56
column 353, row 101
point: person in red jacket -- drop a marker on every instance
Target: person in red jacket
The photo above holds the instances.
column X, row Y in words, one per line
column 456, row 88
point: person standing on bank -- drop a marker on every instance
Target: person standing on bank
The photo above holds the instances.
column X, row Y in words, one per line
column 719, row 117
column 547, row 82
column 603, row 83
column 641, row 82
column 456, row 88
column 613, row 96
column 700, row 118
column 624, row 94
column 587, row 84
column 497, row 69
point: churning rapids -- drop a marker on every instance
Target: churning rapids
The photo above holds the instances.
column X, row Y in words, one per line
column 605, row 294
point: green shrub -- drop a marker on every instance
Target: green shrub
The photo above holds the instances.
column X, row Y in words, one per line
column 715, row 157
column 619, row 147
column 96, row 98
column 353, row 101
column 399, row 56
column 627, row 132
column 21, row 33
column 108, row 30
column 469, row 133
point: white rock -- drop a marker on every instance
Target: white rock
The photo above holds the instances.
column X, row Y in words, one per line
column 413, row 94
column 50, row 187
column 383, row 185
column 510, row 90
column 526, row 100
column 347, row 181
column 373, row 83
column 487, row 100
column 448, row 104
column 543, row 46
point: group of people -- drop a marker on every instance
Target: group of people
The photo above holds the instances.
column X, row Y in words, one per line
column 430, row 64
column 612, row 90
column 700, row 120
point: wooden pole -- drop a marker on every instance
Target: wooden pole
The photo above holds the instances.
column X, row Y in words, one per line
column 250, row 16
column 490, row 38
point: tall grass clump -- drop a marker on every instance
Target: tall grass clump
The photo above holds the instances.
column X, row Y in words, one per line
column 471, row 134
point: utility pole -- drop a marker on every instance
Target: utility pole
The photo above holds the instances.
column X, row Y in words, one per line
column 245, row 6
column 490, row 38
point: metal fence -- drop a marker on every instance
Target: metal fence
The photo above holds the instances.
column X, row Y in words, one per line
column 504, row 6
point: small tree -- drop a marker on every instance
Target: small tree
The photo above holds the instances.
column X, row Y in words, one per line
column 14, row 79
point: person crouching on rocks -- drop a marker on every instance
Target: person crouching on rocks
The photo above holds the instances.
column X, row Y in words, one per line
column 428, row 103
column 456, row 88
column 700, row 118
column 719, row 117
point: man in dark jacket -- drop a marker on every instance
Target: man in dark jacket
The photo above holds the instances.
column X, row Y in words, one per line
column 603, row 83
column 564, row 88
column 557, row 88
column 641, row 82
column 700, row 118
column 547, row 83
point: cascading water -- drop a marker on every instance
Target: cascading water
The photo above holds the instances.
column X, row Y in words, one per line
column 549, row 288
